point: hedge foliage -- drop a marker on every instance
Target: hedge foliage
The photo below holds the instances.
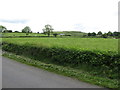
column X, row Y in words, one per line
column 106, row 62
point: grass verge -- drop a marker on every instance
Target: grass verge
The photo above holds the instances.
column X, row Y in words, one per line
column 66, row 71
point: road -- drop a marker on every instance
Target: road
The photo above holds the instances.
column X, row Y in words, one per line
column 18, row 75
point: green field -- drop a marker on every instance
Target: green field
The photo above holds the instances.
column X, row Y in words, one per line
column 22, row 34
column 72, row 33
column 96, row 56
column 97, row 44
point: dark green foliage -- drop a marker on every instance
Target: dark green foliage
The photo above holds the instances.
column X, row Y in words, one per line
column 99, row 33
column 7, row 31
column 55, row 34
column 2, row 28
column 104, row 35
column 116, row 33
column 89, row 34
column 92, row 34
column 110, row 33
column 108, row 63
column 16, row 31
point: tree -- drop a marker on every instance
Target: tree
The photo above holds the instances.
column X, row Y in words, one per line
column 9, row 31
column 27, row 30
column 55, row 34
column 93, row 34
column 110, row 33
column 89, row 34
column 5, row 31
column 48, row 29
column 16, row 31
column 104, row 35
column 2, row 28
column 99, row 33
column 116, row 33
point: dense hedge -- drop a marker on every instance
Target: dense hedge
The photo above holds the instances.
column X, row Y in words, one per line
column 108, row 63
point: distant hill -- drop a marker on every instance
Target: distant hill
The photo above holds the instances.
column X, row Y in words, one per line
column 72, row 33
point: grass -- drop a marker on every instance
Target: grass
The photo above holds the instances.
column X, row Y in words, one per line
column 97, row 44
column 95, row 60
column 66, row 71
column 22, row 34
column 72, row 33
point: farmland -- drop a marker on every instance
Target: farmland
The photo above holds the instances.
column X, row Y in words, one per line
column 97, row 56
column 71, row 43
column 20, row 34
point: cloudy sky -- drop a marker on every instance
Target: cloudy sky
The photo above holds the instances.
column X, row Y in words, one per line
column 63, row 15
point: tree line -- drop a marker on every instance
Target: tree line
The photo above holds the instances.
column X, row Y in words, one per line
column 47, row 30
column 105, row 35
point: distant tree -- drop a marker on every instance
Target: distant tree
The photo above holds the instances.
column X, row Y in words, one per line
column 27, row 30
column 99, row 33
column 9, row 31
column 116, row 33
column 48, row 29
column 93, row 34
column 16, row 31
column 109, row 33
column 5, row 31
column 55, row 34
column 104, row 35
column 89, row 34
column 67, row 34
column 2, row 28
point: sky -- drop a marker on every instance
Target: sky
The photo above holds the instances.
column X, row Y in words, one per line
column 63, row 15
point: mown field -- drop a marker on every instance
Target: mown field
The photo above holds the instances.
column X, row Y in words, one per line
column 97, row 56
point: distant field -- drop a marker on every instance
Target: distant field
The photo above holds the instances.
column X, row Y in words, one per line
column 22, row 34
column 72, row 33
column 98, row 44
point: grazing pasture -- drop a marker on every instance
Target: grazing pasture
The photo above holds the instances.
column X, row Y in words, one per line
column 21, row 34
column 98, row 44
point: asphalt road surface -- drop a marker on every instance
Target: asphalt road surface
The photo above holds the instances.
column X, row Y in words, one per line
column 18, row 75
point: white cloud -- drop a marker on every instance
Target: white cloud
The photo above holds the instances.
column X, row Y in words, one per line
column 93, row 15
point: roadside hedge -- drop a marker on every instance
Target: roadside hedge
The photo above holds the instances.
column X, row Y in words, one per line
column 107, row 63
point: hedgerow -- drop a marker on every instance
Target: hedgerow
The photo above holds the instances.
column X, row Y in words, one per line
column 107, row 63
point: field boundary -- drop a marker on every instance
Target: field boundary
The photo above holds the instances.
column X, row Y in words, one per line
column 107, row 63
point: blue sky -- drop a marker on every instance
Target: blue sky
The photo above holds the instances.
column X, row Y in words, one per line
column 63, row 15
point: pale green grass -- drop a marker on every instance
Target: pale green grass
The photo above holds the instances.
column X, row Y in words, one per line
column 22, row 34
column 97, row 44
